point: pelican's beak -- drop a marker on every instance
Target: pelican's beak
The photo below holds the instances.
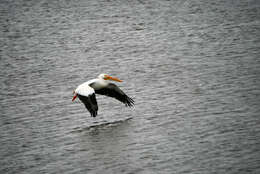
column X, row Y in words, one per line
column 107, row 77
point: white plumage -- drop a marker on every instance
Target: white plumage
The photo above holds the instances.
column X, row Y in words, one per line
column 84, row 89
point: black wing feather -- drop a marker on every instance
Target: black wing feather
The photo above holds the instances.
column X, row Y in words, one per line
column 90, row 103
column 114, row 91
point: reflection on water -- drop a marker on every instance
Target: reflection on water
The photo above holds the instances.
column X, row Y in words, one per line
column 102, row 125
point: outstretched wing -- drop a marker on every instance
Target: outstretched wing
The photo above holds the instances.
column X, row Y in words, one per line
column 86, row 94
column 90, row 103
column 114, row 91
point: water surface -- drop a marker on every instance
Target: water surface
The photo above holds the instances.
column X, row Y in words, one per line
column 192, row 68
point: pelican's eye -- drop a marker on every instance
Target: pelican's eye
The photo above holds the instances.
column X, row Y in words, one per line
column 105, row 77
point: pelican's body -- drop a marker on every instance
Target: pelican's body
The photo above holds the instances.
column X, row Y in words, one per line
column 86, row 92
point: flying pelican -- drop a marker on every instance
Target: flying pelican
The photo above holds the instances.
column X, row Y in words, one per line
column 86, row 92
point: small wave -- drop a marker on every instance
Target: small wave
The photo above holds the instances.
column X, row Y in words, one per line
column 101, row 125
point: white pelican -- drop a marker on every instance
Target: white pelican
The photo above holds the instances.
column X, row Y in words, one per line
column 86, row 92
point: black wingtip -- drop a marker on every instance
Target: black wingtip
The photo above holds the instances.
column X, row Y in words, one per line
column 129, row 102
column 93, row 113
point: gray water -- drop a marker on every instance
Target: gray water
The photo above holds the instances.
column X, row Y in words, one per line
column 192, row 67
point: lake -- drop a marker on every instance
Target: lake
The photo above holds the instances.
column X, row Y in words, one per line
column 192, row 67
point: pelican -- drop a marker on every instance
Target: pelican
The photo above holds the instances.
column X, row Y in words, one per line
column 86, row 92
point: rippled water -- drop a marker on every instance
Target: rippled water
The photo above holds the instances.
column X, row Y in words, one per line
column 192, row 67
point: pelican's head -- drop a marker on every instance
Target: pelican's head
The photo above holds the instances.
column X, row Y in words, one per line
column 107, row 77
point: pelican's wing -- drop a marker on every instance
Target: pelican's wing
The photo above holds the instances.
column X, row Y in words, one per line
column 114, row 91
column 86, row 94
column 90, row 103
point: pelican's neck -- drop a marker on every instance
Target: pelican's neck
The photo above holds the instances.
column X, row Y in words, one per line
column 101, row 80
column 98, row 83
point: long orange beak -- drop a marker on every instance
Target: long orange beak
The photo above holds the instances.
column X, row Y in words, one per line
column 107, row 77
column 74, row 97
